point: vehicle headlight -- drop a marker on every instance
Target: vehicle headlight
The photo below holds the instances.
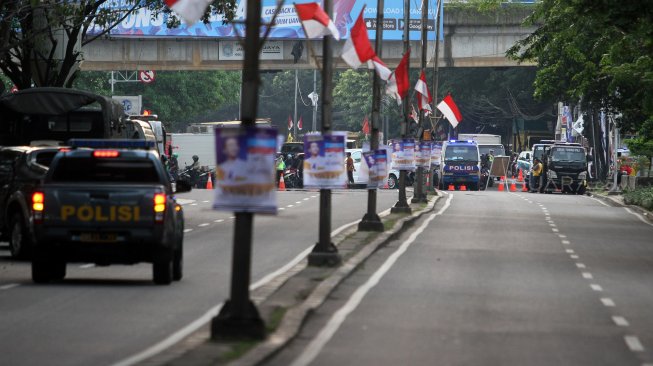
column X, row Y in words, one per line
column 552, row 174
column 582, row 175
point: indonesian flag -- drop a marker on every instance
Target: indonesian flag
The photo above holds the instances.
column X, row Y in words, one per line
column 300, row 123
column 366, row 126
column 189, row 10
column 450, row 111
column 423, row 94
column 315, row 21
column 398, row 83
column 290, row 123
column 358, row 50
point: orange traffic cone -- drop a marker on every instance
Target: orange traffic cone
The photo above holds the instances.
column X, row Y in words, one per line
column 501, row 186
column 451, row 187
column 209, row 183
column 523, row 187
column 282, row 183
column 463, row 187
column 513, row 187
column 521, row 176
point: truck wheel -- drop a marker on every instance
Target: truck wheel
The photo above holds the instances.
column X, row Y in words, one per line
column 162, row 271
column 57, row 271
column 19, row 241
column 392, row 181
column 41, row 271
column 178, row 262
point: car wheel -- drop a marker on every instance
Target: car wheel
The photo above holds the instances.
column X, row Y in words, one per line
column 490, row 182
column 178, row 262
column 19, row 242
column 392, row 181
column 162, row 271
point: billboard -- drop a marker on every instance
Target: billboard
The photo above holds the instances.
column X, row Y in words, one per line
column 143, row 23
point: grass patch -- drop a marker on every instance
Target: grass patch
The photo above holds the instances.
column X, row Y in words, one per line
column 238, row 349
column 275, row 318
column 642, row 197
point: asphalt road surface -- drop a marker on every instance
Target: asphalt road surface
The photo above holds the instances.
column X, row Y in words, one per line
column 105, row 315
column 495, row 278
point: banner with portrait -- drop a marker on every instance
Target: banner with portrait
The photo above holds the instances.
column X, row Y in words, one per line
column 324, row 161
column 377, row 165
column 403, row 154
column 245, row 180
column 423, row 154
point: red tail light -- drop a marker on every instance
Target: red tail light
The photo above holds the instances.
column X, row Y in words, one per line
column 38, row 204
column 159, row 206
column 106, row 153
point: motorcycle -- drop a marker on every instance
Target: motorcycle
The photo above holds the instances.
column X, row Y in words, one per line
column 292, row 177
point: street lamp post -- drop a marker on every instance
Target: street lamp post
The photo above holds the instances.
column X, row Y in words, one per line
column 419, row 195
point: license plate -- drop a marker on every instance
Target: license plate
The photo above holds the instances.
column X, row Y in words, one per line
column 98, row 237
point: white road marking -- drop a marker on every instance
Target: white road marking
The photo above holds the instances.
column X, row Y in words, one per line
column 607, row 302
column 313, row 196
column 640, row 217
column 87, row 265
column 633, row 343
column 193, row 204
column 311, row 351
column 204, row 224
column 565, row 242
column 570, row 251
column 220, row 220
column 573, row 256
column 620, row 321
column 561, row 236
column 206, row 201
column 596, row 287
column 188, row 230
column 599, row 201
column 9, row 286
column 298, row 202
column 555, row 230
column 580, row 265
column 182, row 333
column 552, row 224
column 587, row 275
column 289, row 206
column 232, row 217
column 306, row 199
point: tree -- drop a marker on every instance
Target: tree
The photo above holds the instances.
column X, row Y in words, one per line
column 40, row 40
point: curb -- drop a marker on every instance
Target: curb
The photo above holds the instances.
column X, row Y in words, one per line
column 295, row 316
column 618, row 203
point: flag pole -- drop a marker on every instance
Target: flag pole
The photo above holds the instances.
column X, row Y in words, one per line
column 371, row 220
column 324, row 252
column 402, row 204
column 419, row 195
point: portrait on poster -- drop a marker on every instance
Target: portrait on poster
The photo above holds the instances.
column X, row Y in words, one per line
column 423, row 154
column 403, row 154
column 324, row 157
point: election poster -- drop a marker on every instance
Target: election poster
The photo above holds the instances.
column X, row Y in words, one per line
column 436, row 153
column 403, row 154
column 376, row 163
column 324, row 161
column 245, row 179
column 423, row 154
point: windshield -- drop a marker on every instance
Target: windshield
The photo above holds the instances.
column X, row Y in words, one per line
column 538, row 152
column 461, row 153
column 498, row 149
column 568, row 154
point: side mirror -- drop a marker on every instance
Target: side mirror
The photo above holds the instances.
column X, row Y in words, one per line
column 182, row 186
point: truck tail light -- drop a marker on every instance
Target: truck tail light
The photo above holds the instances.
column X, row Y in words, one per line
column 159, row 206
column 106, row 153
column 38, row 200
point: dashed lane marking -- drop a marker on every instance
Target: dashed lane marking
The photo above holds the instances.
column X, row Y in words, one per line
column 633, row 343
column 87, row 265
column 281, row 208
column 306, row 199
column 573, row 256
column 596, row 287
column 8, row 286
column 587, row 275
column 581, row 265
column 555, row 230
column 620, row 321
column 607, row 302
column 562, row 236
column 298, row 202
column 203, row 224
column 232, row 217
column 206, row 201
column 193, row 204
column 188, row 230
column 289, row 206
column 552, row 224
column 566, row 242
column 570, row 251
column 218, row 221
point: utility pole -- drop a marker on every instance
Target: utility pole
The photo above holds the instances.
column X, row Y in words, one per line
column 314, row 101
column 294, row 125
column 402, row 204
column 324, row 252
column 371, row 220
column 419, row 195
column 239, row 317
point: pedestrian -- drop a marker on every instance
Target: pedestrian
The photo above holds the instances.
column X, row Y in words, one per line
column 281, row 166
column 350, row 168
column 537, row 172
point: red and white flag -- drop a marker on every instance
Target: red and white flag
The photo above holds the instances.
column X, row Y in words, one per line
column 300, row 123
column 189, row 10
column 366, row 126
column 290, row 123
column 315, row 21
column 358, row 50
column 398, row 83
column 423, row 95
column 450, row 111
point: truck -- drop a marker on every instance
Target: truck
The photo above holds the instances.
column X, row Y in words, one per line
column 485, row 142
column 460, row 165
column 565, row 168
column 107, row 202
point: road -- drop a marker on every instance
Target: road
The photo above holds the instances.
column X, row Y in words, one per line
column 495, row 278
column 103, row 315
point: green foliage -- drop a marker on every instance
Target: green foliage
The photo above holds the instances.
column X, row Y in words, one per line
column 641, row 146
column 641, row 197
column 352, row 95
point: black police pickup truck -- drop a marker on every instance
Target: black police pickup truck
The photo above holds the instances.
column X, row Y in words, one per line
column 107, row 202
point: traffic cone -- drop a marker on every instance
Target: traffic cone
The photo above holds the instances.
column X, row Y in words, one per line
column 451, row 187
column 209, row 183
column 523, row 187
column 521, row 176
column 463, row 187
column 513, row 187
column 501, row 185
column 282, row 183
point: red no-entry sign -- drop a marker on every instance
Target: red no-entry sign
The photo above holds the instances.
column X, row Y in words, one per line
column 146, row 76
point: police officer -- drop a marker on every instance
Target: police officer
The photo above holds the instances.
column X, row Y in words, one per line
column 536, row 176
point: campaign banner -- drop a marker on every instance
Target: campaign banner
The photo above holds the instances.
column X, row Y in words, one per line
column 147, row 23
column 436, row 152
column 377, row 165
column 324, row 161
column 423, row 154
column 403, row 154
column 245, row 172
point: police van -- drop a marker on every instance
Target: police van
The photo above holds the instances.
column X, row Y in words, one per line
column 460, row 165
column 107, row 202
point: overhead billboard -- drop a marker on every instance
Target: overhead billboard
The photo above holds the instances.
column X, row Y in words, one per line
column 143, row 23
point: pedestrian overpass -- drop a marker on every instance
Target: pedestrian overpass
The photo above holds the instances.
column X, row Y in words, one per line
column 470, row 40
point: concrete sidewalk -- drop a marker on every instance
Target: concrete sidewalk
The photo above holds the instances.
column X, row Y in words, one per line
column 285, row 302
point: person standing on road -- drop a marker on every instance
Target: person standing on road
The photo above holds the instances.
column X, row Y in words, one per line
column 281, row 166
column 350, row 168
column 537, row 172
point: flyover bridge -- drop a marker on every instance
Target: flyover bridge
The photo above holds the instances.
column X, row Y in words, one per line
column 471, row 39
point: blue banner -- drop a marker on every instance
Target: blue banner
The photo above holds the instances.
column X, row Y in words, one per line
column 142, row 23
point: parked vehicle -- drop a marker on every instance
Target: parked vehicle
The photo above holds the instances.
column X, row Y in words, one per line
column 461, row 165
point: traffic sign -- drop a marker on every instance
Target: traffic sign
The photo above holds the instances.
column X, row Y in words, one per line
column 146, row 76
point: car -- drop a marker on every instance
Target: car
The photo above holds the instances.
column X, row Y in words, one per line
column 107, row 202
column 21, row 170
column 524, row 162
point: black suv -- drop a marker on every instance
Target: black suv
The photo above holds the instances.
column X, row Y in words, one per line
column 21, row 169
